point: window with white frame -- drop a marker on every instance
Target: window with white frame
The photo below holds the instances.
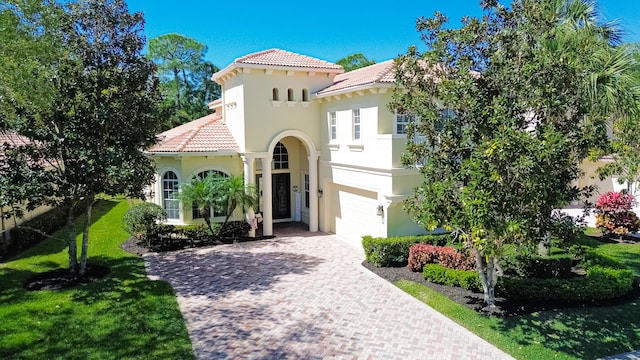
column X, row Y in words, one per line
column 171, row 204
column 195, row 212
column 356, row 124
column 402, row 122
column 333, row 126
column 280, row 156
column 306, row 191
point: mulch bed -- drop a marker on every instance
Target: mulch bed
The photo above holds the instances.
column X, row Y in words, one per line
column 503, row 307
column 61, row 279
column 137, row 247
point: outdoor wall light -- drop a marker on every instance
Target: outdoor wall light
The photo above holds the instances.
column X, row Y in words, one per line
column 380, row 210
column 320, row 193
column 295, row 188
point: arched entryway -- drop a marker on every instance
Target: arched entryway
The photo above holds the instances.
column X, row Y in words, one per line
column 287, row 177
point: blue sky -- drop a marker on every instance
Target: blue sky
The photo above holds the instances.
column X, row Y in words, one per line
column 332, row 30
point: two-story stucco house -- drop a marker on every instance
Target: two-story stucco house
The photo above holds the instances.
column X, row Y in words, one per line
column 320, row 144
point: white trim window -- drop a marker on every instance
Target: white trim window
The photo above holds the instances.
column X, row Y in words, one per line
column 356, row 124
column 333, row 126
column 280, row 156
column 170, row 186
column 402, row 122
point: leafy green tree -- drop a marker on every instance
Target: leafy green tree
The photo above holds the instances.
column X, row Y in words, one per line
column 29, row 42
column 507, row 110
column 102, row 114
column 185, row 77
column 354, row 61
column 622, row 66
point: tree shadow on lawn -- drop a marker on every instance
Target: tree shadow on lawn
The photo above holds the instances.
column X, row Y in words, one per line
column 59, row 242
column 587, row 333
column 213, row 273
column 122, row 316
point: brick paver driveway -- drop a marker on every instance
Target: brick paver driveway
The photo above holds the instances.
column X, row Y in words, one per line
column 304, row 296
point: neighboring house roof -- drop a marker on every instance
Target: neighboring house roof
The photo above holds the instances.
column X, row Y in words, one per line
column 11, row 137
column 207, row 134
column 276, row 58
column 381, row 73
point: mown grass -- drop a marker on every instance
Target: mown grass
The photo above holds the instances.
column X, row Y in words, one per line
column 574, row 333
column 122, row 316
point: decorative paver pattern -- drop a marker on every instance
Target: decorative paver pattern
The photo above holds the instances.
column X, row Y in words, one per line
column 304, row 296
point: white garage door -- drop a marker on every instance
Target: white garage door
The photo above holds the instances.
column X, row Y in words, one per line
column 354, row 213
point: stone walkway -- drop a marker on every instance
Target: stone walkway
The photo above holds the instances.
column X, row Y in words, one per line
column 304, row 296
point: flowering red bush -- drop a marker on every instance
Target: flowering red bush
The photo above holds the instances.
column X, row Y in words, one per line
column 422, row 254
column 614, row 215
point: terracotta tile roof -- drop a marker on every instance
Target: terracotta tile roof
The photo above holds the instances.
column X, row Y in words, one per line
column 13, row 138
column 207, row 134
column 277, row 57
column 377, row 73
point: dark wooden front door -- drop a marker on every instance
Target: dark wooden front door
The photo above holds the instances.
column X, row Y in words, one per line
column 280, row 195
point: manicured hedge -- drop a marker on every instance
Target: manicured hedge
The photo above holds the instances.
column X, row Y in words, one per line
column 536, row 267
column 605, row 279
column 439, row 274
column 447, row 256
column 394, row 251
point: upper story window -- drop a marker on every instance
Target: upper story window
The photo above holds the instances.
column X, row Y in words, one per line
column 356, row 124
column 305, row 95
column 333, row 126
column 402, row 122
column 446, row 116
column 275, row 94
column 290, row 96
column 280, row 156
column 169, row 189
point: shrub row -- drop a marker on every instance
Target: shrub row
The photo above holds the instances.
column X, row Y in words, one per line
column 394, row 251
column 524, row 266
column 422, row 254
column 605, row 279
column 439, row 274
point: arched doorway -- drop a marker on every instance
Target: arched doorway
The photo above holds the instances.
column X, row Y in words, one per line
column 287, row 178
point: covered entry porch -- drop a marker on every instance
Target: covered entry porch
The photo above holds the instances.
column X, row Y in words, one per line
column 286, row 176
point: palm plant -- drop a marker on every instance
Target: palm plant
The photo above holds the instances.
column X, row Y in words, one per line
column 232, row 192
column 200, row 192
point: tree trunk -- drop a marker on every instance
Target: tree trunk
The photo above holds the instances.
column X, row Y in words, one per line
column 488, row 276
column 176, row 75
column 85, row 236
column 71, row 241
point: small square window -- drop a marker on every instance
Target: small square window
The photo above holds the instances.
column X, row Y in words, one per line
column 402, row 121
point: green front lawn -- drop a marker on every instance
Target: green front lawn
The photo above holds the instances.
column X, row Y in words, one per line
column 578, row 333
column 122, row 316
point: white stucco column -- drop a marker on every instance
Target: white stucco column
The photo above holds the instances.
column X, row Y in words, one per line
column 313, row 193
column 249, row 170
column 267, row 211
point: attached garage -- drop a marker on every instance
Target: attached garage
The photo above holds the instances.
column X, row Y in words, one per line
column 352, row 213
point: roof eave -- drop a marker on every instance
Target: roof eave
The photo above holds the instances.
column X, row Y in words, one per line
column 219, row 152
column 371, row 85
column 236, row 65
